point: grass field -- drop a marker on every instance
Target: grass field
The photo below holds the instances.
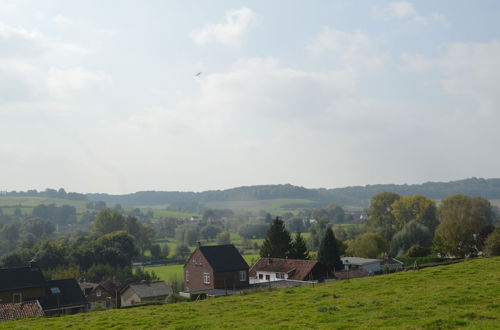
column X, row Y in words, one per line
column 463, row 295
column 273, row 206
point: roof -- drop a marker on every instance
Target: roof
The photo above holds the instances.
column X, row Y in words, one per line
column 359, row 261
column 223, row 258
column 21, row 278
column 150, row 289
column 392, row 261
column 13, row 311
column 296, row 269
column 69, row 294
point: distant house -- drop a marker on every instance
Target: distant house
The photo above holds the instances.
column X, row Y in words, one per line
column 63, row 297
column 276, row 269
column 215, row 267
column 103, row 295
column 392, row 264
column 371, row 265
column 144, row 292
column 25, row 284
column 14, row 311
column 21, row 284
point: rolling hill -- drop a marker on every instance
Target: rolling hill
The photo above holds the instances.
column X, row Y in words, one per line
column 463, row 295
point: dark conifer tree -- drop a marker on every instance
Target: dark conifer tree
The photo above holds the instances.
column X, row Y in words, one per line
column 328, row 252
column 278, row 243
column 299, row 248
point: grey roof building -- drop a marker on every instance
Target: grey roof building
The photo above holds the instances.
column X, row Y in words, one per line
column 145, row 291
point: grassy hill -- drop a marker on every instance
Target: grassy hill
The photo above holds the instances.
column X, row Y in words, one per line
column 463, row 295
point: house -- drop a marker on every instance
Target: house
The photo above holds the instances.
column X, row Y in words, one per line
column 24, row 284
column 63, row 297
column 103, row 295
column 144, row 292
column 21, row 284
column 215, row 267
column 371, row 265
column 20, row 310
column 277, row 269
column 392, row 264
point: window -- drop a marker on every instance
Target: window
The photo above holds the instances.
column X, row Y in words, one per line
column 17, row 297
column 280, row 275
column 206, row 278
column 187, row 275
column 98, row 293
column 243, row 276
column 261, row 276
column 268, row 277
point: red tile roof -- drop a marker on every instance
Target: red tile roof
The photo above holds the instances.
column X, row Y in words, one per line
column 13, row 311
column 296, row 269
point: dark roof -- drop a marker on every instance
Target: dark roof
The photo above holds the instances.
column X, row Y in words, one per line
column 70, row 294
column 150, row 289
column 21, row 278
column 223, row 258
column 14, row 311
column 296, row 269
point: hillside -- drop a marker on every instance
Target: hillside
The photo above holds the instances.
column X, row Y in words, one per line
column 355, row 196
column 454, row 296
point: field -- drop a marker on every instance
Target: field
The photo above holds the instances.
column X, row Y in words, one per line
column 463, row 295
column 273, row 206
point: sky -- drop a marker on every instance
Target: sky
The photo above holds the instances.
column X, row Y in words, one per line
column 105, row 96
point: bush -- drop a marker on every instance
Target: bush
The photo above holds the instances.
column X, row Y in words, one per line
column 492, row 244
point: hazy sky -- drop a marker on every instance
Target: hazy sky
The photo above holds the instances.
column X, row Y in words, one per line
column 102, row 96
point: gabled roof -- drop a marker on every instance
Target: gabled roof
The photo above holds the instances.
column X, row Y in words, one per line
column 296, row 269
column 223, row 258
column 150, row 289
column 63, row 293
column 359, row 261
column 14, row 311
column 21, row 278
column 392, row 261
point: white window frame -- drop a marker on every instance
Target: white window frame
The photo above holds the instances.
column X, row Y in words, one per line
column 98, row 293
column 281, row 276
column 187, row 275
column 206, row 278
column 243, row 275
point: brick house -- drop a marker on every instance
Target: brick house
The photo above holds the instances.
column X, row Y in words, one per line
column 215, row 267
column 21, row 284
column 103, row 295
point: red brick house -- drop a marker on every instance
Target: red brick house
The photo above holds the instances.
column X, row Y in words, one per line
column 103, row 295
column 277, row 269
column 215, row 267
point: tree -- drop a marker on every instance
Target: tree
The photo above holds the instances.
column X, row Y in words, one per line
column 413, row 233
column 155, row 250
column 39, row 227
column 182, row 251
column 369, row 245
column 116, row 249
column 416, row 208
column 418, row 251
column 299, row 248
column 108, row 221
column 253, row 230
column 464, row 221
column 224, row 238
column 328, row 252
column 380, row 213
column 277, row 243
column 9, row 236
column 165, row 250
column 210, row 232
column 295, row 225
column 492, row 244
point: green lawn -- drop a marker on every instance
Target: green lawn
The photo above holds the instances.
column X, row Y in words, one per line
column 463, row 295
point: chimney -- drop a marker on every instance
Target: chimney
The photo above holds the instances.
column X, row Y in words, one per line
column 199, row 243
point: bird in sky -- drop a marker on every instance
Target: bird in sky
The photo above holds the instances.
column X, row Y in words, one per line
column 198, row 74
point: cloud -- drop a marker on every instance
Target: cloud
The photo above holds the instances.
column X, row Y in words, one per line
column 231, row 32
column 406, row 11
column 60, row 20
column 355, row 50
column 61, row 81
column 467, row 70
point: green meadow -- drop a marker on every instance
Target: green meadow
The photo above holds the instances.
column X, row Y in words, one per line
column 462, row 295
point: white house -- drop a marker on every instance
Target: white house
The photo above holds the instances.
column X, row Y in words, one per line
column 371, row 265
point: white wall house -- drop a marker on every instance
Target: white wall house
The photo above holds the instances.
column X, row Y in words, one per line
column 263, row 276
column 371, row 265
